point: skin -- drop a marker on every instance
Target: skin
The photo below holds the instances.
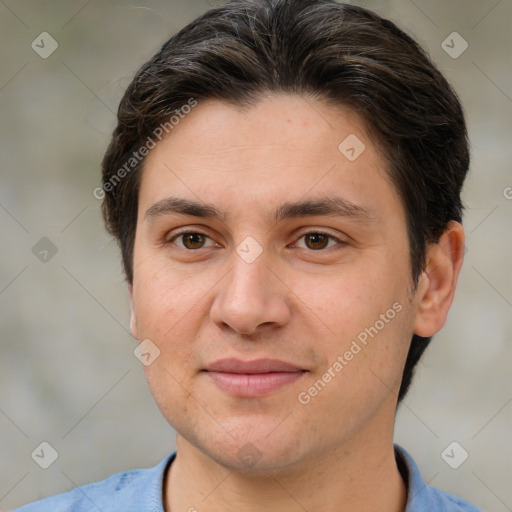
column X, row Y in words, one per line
column 296, row 302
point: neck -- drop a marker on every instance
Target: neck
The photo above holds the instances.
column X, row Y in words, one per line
column 360, row 475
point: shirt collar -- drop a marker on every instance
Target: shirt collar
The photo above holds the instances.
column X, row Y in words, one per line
column 418, row 492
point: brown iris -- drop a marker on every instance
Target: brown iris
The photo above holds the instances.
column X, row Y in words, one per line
column 193, row 240
column 316, row 240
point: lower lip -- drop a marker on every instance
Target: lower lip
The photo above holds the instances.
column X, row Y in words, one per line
column 253, row 385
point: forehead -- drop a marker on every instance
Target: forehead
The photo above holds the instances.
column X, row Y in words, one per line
column 279, row 123
column 283, row 148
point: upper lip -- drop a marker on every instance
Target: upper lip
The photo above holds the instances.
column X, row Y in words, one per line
column 233, row 365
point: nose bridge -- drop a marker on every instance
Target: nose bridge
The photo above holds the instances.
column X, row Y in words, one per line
column 249, row 295
column 251, row 273
column 249, row 264
column 246, row 281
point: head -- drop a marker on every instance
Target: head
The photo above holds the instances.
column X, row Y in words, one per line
column 247, row 108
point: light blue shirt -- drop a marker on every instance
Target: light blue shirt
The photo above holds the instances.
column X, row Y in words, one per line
column 140, row 490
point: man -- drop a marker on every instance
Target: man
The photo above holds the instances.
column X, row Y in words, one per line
column 284, row 183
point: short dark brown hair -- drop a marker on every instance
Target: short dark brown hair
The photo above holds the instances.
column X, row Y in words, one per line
column 340, row 53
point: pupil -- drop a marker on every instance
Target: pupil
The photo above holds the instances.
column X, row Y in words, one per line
column 318, row 240
column 193, row 239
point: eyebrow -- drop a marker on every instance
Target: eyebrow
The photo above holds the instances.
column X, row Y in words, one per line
column 331, row 206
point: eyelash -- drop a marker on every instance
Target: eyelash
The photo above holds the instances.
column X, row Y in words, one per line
column 313, row 232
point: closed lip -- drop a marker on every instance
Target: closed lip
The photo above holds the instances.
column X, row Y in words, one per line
column 233, row 365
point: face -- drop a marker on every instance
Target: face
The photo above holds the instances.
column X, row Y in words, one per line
column 296, row 251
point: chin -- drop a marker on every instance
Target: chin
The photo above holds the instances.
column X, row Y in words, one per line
column 254, row 459
column 248, row 449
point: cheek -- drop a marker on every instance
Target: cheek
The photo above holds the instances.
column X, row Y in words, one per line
column 349, row 298
column 163, row 298
column 366, row 316
column 359, row 377
column 167, row 308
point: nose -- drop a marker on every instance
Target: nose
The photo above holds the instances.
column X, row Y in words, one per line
column 251, row 298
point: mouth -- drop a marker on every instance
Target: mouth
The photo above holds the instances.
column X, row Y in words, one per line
column 255, row 378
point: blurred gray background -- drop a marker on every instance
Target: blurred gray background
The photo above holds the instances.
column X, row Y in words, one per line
column 68, row 375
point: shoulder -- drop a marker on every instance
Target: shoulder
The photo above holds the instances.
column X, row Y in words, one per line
column 444, row 501
column 136, row 490
column 423, row 497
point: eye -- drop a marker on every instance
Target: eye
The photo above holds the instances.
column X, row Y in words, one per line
column 313, row 240
column 190, row 240
column 317, row 240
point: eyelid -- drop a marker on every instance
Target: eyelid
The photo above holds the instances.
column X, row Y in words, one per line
column 181, row 231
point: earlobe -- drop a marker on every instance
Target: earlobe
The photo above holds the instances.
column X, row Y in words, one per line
column 133, row 321
column 436, row 286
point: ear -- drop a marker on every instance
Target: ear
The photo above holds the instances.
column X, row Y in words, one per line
column 133, row 320
column 436, row 286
